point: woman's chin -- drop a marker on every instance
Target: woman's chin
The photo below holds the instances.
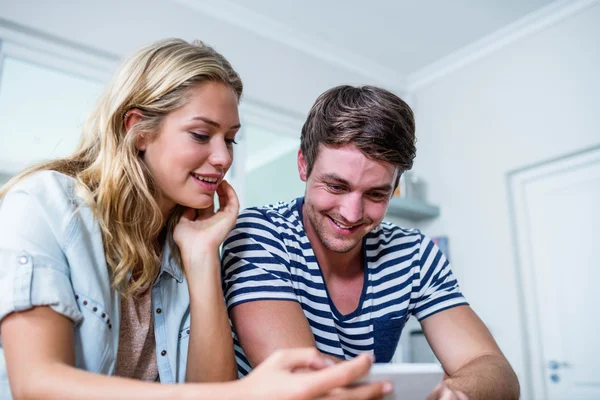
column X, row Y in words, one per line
column 200, row 202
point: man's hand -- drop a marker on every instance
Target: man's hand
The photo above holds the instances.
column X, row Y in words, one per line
column 443, row 392
column 470, row 356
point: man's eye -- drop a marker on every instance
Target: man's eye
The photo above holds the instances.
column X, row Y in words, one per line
column 378, row 196
column 335, row 188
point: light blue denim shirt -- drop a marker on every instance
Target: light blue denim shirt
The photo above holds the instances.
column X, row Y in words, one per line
column 51, row 254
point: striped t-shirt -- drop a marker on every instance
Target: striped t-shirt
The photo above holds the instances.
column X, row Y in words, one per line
column 269, row 257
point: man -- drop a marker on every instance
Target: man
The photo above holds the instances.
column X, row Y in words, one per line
column 325, row 271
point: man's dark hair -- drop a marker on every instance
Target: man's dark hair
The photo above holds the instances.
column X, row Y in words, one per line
column 374, row 120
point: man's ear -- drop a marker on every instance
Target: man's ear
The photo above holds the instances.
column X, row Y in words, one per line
column 302, row 166
column 131, row 118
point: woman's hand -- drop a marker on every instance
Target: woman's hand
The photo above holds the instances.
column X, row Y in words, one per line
column 199, row 235
column 202, row 231
column 278, row 377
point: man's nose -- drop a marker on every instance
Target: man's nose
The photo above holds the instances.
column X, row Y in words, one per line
column 352, row 208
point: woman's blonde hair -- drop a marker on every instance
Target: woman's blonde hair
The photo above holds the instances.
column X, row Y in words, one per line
column 111, row 175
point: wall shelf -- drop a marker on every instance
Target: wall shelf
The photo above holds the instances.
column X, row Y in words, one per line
column 411, row 209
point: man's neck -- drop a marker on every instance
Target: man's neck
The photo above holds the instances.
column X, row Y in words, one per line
column 343, row 272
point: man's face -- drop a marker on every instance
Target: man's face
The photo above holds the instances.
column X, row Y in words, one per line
column 347, row 195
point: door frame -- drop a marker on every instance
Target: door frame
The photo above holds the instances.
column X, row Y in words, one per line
column 517, row 180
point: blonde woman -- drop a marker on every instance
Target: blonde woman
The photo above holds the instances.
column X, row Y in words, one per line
column 109, row 260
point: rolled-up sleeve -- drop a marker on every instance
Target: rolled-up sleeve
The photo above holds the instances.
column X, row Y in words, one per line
column 438, row 289
column 33, row 268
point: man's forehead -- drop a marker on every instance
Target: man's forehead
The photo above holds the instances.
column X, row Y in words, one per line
column 349, row 154
column 349, row 165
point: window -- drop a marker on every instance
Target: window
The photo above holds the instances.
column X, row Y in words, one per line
column 47, row 89
column 265, row 160
column 42, row 111
column 270, row 171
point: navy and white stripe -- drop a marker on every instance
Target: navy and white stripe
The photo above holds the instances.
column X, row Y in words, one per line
column 269, row 256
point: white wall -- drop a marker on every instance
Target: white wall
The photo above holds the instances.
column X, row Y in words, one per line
column 536, row 99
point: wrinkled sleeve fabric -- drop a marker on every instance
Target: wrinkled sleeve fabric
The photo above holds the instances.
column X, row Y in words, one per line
column 438, row 289
column 255, row 262
column 33, row 267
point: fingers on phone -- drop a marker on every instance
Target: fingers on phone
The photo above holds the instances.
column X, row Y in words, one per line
column 375, row 390
column 342, row 374
column 292, row 359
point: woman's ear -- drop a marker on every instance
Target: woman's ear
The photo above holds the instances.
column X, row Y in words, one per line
column 131, row 118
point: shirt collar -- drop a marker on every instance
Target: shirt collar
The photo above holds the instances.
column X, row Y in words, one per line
column 169, row 265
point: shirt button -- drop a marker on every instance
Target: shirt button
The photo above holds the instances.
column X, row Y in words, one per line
column 158, row 310
column 163, row 353
column 23, row 260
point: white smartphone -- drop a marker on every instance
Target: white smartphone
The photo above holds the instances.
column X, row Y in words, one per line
column 410, row 381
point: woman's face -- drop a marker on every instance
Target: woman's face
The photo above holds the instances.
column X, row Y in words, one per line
column 193, row 149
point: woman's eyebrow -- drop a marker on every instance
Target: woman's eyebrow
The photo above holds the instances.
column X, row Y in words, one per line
column 213, row 123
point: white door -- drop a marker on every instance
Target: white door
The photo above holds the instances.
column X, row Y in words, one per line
column 557, row 209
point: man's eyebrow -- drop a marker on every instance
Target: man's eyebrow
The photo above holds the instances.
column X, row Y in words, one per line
column 336, row 178
column 383, row 188
column 214, row 123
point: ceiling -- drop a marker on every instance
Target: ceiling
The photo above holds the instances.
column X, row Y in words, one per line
column 401, row 35
column 395, row 40
column 400, row 42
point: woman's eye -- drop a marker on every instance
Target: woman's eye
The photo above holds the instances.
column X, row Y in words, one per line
column 200, row 137
column 230, row 141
